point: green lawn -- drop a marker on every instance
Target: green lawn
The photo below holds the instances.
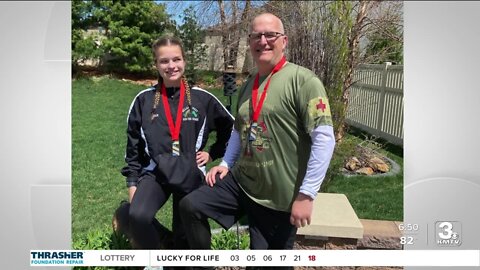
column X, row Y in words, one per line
column 371, row 197
column 99, row 112
column 99, row 121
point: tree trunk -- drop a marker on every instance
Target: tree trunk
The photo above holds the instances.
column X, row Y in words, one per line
column 225, row 38
column 237, row 30
column 353, row 41
column 231, row 31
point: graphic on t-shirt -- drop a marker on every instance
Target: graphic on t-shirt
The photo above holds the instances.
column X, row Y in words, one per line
column 262, row 138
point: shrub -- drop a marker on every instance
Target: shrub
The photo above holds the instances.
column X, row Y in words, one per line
column 226, row 240
column 102, row 240
column 105, row 239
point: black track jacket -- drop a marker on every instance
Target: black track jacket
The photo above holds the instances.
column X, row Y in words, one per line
column 147, row 139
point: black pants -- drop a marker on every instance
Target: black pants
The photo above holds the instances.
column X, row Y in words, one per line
column 149, row 197
column 226, row 202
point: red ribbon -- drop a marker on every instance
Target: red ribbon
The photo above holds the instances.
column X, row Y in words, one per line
column 174, row 129
column 257, row 109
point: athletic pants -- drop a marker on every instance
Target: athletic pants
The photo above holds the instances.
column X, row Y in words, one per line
column 149, row 197
column 226, row 202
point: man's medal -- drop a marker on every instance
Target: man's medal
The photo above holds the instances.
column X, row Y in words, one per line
column 257, row 108
column 253, row 132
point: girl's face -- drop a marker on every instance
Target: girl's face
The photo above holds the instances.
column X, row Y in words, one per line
column 170, row 64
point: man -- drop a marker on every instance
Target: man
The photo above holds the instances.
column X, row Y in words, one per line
column 277, row 155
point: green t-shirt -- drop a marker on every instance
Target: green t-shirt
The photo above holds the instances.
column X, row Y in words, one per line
column 295, row 104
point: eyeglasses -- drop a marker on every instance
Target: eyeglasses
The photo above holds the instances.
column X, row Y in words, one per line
column 269, row 36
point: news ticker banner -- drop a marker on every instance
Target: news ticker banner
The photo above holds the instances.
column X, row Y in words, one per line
column 157, row 258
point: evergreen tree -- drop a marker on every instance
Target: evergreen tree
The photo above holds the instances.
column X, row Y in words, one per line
column 83, row 46
column 192, row 36
column 129, row 28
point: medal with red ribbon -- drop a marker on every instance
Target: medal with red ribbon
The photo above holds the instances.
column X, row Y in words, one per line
column 257, row 108
column 174, row 128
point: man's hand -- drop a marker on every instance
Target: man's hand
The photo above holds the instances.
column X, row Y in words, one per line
column 131, row 192
column 301, row 211
column 203, row 158
column 210, row 178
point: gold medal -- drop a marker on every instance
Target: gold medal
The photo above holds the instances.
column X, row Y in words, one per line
column 176, row 148
column 253, row 132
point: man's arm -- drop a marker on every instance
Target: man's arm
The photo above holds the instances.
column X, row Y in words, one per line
column 231, row 155
column 323, row 144
column 233, row 150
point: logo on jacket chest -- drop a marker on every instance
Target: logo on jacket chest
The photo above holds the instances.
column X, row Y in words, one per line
column 190, row 114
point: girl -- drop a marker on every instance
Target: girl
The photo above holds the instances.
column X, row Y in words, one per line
column 168, row 128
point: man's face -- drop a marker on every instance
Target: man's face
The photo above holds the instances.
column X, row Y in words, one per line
column 267, row 49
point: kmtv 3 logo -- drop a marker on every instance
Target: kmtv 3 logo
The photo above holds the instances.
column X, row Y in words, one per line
column 448, row 233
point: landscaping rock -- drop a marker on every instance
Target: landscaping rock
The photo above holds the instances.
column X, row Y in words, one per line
column 336, row 243
column 335, row 268
column 301, row 242
column 374, row 242
column 353, row 163
column 365, row 171
column 380, row 234
column 378, row 268
column 379, row 165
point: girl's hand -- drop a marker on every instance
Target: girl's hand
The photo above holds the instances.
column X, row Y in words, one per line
column 203, row 158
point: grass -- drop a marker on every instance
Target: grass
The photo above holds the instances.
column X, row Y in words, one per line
column 99, row 111
column 371, row 197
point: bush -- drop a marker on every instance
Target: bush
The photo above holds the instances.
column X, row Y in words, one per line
column 227, row 240
column 210, row 77
column 107, row 239
column 102, row 240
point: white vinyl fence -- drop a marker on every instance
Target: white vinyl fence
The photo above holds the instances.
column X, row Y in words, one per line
column 376, row 101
